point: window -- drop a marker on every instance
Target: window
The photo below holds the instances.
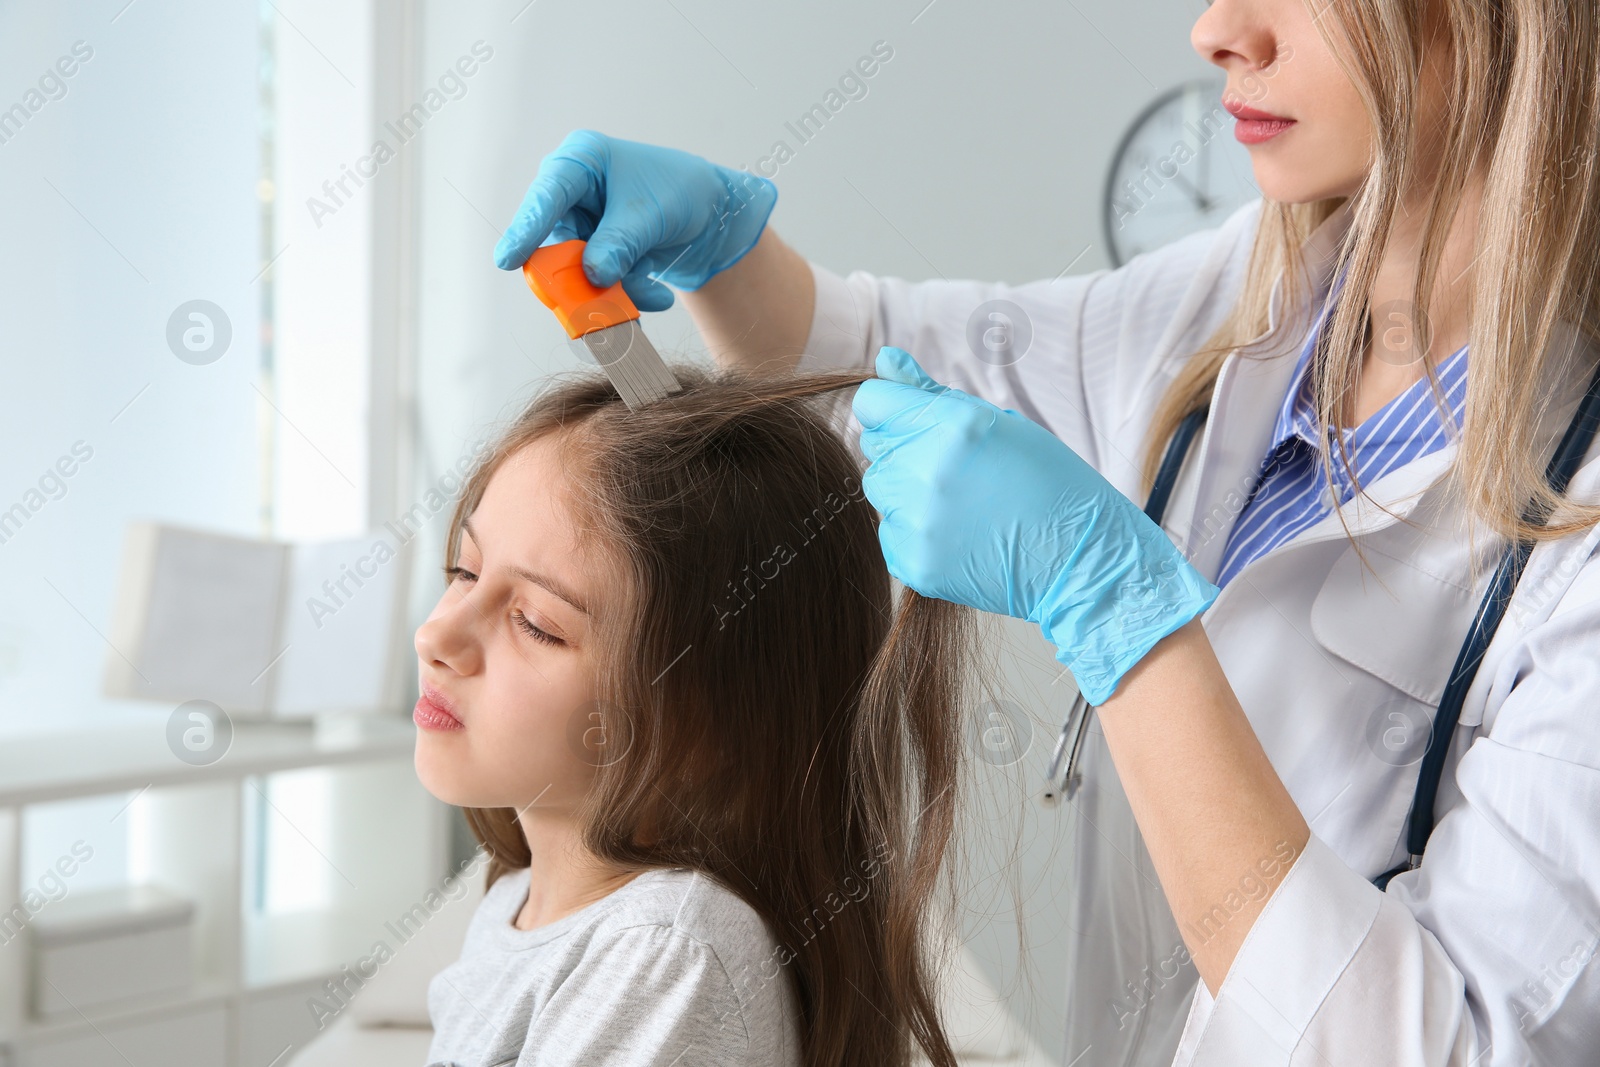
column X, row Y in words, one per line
column 190, row 334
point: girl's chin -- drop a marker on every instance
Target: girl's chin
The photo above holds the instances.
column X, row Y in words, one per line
column 444, row 780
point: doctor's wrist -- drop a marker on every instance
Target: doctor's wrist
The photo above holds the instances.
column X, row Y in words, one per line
column 747, row 208
column 1142, row 597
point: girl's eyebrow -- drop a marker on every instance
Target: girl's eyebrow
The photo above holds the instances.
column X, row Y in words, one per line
column 554, row 587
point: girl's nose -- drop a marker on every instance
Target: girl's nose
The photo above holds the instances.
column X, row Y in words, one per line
column 449, row 638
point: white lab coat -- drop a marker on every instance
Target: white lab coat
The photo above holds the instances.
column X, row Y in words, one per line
column 1487, row 954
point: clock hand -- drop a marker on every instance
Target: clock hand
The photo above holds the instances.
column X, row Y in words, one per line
column 1201, row 200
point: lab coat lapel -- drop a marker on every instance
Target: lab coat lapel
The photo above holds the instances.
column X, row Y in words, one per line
column 1244, row 409
column 1396, row 495
column 1383, row 502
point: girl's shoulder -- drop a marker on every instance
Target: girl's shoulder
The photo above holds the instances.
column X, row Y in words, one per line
column 687, row 908
column 673, row 956
column 694, row 906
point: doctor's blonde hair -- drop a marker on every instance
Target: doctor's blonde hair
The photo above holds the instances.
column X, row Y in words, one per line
column 1523, row 105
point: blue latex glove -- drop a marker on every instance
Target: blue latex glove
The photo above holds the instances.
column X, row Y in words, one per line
column 986, row 508
column 644, row 211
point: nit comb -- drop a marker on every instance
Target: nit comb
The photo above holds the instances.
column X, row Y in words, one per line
column 602, row 324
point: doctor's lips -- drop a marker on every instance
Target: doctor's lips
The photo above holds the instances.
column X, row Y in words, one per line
column 1254, row 127
column 435, row 711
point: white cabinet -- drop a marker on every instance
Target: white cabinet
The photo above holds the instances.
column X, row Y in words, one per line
column 194, row 1038
column 193, row 831
column 98, row 948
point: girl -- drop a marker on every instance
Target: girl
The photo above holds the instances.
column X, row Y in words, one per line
column 1367, row 817
column 712, row 765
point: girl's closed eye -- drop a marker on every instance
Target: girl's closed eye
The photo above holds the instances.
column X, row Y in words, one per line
column 451, row 574
column 533, row 631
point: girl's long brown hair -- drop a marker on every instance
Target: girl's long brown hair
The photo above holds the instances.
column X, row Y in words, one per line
column 773, row 719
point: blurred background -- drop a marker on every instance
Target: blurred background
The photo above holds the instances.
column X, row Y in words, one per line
column 253, row 327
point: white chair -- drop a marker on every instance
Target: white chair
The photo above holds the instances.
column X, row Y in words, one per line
column 386, row 1023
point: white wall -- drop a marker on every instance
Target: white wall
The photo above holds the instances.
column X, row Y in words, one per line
column 979, row 150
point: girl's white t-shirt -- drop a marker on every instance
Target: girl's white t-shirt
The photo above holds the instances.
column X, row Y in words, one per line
column 671, row 969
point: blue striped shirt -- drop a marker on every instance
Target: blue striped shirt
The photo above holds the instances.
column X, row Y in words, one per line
column 1291, row 494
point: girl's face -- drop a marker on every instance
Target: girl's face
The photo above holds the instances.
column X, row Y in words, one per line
column 509, row 650
column 1279, row 68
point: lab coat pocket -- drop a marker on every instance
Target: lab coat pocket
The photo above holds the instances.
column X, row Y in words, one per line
column 1400, row 623
column 1400, row 618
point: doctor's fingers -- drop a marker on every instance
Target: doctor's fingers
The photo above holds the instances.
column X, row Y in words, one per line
column 563, row 184
column 646, row 293
column 631, row 240
column 889, row 406
column 639, row 283
column 901, row 454
column 899, row 486
column 906, row 556
column 898, row 365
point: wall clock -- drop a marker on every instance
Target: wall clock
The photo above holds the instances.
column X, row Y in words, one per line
column 1176, row 171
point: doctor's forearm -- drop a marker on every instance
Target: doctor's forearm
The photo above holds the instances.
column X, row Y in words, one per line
column 756, row 315
column 1215, row 817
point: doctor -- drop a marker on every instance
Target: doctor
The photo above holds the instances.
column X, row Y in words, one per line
column 1387, row 349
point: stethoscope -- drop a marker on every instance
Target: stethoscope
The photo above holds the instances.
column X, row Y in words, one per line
column 1065, row 780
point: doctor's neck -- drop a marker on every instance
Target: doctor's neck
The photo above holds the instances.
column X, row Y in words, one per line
column 1393, row 361
column 1395, row 358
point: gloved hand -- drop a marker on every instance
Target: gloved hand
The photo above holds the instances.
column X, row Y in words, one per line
column 986, row 508
column 644, row 210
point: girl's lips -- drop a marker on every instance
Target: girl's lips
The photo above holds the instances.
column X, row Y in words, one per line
column 430, row 716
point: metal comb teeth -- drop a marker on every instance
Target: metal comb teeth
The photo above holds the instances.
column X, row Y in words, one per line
column 630, row 361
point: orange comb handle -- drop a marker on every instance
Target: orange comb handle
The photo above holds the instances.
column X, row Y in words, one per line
column 555, row 274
